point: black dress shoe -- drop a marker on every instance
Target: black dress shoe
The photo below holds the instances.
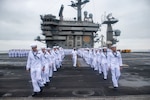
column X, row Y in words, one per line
column 115, row 88
column 34, row 94
column 46, row 84
column 41, row 88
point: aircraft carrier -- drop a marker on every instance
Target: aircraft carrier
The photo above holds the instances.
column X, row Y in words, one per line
column 81, row 83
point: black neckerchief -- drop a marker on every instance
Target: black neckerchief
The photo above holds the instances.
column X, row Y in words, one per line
column 45, row 56
column 115, row 54
column 35, row 55
column 55, row 52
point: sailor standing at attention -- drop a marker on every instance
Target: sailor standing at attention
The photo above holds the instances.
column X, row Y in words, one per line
column 74, row 57
column 105, row 62
column 115, row 65
column 34, row 66
column 51, row 62
column 46, row 64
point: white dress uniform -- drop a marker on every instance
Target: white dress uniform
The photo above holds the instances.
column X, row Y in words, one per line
column 86, row 56
column 115, row 63
column 15, row 53
column 45, row 62
column 94, row 62
column 19, row 53
column 12, row 53
column 62, row 53
column 80, row 52
column 54, row 61
column 99, row 59
column 56, row 53
column 91, row 57
column 50, row 63
column 105, row 63
column 74, row 57
column 9, row 53
column 34, row 64
column 59, row 58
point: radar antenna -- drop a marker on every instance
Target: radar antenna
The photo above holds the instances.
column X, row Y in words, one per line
column 78, row 4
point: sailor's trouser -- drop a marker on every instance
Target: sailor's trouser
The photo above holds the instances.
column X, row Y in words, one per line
column 115, row 76
column 94, row 64
column 105, row 70
column 54, row 65
column 74, row 61
column 46, row 73
column 100, row 69
column 91, row 60
column 57, row 63
column 36, row 79
column 87, row 60
column 51, row 70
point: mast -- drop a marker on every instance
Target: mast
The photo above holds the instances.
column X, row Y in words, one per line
column 78, row 5
column 111, row 34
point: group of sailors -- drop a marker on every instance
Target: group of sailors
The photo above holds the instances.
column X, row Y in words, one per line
column 14, row 53
column 102, row 60
column 41, row 64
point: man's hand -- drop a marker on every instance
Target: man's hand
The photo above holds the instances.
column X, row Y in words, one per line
column 120, row 67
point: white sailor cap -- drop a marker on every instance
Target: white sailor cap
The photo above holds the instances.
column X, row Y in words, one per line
column 33, row 45
column 43, row 47
column 54, row 46
column 48, row 48
column 104, row 47
column 113, row 46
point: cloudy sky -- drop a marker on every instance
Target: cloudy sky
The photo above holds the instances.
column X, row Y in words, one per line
column 20, row 20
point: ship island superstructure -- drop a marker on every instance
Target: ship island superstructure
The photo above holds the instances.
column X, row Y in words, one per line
column 69, row 34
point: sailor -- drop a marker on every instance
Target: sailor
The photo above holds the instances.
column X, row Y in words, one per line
column 9, row 53
column 56, row 55
column 19, row 53
column 59, row 60
column 94, row 62
column 115, row 65
column 74, row 57
column 99, row 54
column 62, row 53
column 45, row 63
column 15, row 53
column 34, row 65
column 88, row 56
column 51, row 62
column 23, row 53
column 105, row 62
column 12, row 53
column 54, row 59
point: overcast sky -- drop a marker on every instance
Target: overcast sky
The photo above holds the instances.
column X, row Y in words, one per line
column 20, row 20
